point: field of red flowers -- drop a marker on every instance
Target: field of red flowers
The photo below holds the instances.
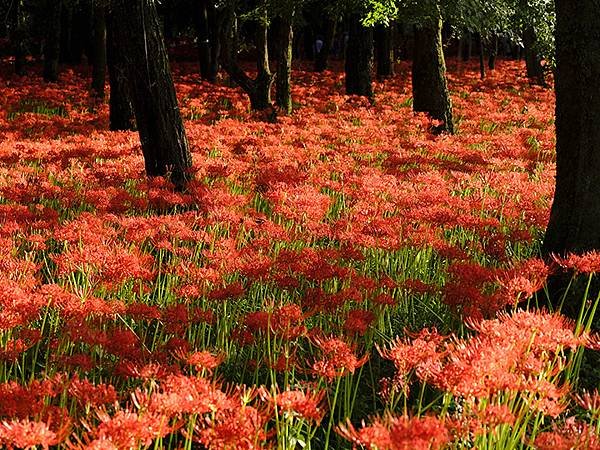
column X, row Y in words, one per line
column 340, row 278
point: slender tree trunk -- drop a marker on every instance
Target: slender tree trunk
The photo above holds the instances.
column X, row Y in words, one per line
column 66, row 32
column 493, row 53
column 322, row 58
column 385, row 51
column 52, row 40
column 80, row 30
column 535, row 71
column 121, row 115
column 283, row 92
column 430, row 90
column 99, row 69
column 215, row 19
column 204, row 43
column 481, row 56
column 258, row 89
column 18, row 37
column 359, row 58
column 141, row 48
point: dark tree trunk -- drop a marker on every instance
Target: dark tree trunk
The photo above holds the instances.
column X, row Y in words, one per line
column 322, row 58
column 121, row 115
column 466, row 46
column 575, row 213
column 493, row 53
column 81, row 38
column 258, row 89
column 481, row 56
column 19, row 36
column 283, row 94
column 535, row 71
column 141, row 49
column 204, row 43
column 66, row 32
column 52, row 40
column 215, row 19
column 359, row 58
column 385, row 51
column 430, row 90
column 99, row 69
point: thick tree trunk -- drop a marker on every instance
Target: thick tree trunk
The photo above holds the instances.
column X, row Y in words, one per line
column 384, row 40
column 430, row 90
column 215, row 19
column 52, row 40
column 322, row 58
column 18, row 36
column 141, row 48
column 533, row 64
column 575, row 213
column 359, row 58
column 283, row 94
column 121, row 115
column 99, row 69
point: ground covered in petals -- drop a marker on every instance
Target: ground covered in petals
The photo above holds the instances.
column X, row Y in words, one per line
column 340, row 278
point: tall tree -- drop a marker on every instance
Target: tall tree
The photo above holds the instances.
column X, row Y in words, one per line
column 99, row 68
column 322, row 57
column 258, row 89
column 19, row 36
column 52, row 39
column 207, row 40
column 384, row 40
column 575, row 212
column 359, row 57
column 140, row 46
column 283, row 94
column 430, row 90
column 121, row 116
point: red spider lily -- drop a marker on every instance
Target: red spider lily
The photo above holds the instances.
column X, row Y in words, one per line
column 398, row 433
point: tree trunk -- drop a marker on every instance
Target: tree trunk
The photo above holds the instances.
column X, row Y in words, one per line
column 66, row 32
column 80, row 30
column 215, row 19
column 481, row 56
column 493, row 53
column 141, row 48
column 283, row 92
column 385, row 51
column 258, row 89
column 18, row 37
column 204, row 43
column 359, row 58
column 575, row 213
column 430, row 91
column 99, row 69
column 121, row 115
column 322, row 58
column 535, row 71
column 52, row 40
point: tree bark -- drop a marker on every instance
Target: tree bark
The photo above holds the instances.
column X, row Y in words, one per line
column 385, row 51
column 99, row 68
column 533, row 64
column 121, row 115
column 141, row 49
column 493, row 53
column 204, row 43
column 258, row 89
column 359, row 58
column 430, row 90
column 18, row 37
column 283, row 94
column 575, row 213
column 481, row 56
column 52, row 40
column 322, row 58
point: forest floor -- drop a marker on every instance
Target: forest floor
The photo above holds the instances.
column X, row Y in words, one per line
column 342, row 264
